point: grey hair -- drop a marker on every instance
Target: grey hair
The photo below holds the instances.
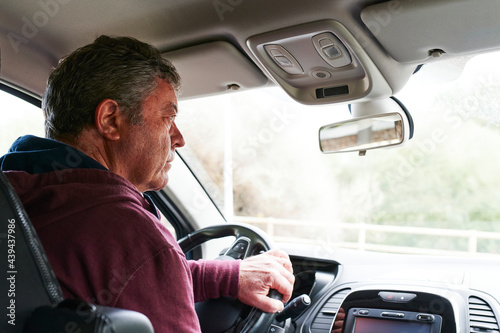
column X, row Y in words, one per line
column 119, row 68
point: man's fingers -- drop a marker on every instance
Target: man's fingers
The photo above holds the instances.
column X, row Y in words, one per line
column 260, row 274
column 270, row 305
column 279, row 254
column 284, row 286
column 282, row 258
column 285, row 279
column 286, row 263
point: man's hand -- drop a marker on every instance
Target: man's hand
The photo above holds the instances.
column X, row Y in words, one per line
column 259, row 274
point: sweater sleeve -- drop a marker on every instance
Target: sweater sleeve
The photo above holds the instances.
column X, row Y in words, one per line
column 161, row 289
column 214, row 278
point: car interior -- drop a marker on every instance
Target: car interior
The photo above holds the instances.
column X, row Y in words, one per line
column 351, row 67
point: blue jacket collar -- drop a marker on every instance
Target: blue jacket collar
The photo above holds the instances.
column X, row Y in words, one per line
column 36, row 155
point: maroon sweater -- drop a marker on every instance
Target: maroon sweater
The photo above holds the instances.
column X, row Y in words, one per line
column 107, row 247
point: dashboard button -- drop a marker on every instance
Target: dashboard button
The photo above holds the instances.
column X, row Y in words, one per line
column 396, row 297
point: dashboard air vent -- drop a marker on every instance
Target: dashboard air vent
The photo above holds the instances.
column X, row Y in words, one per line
column 324, row 319
column 481, row 316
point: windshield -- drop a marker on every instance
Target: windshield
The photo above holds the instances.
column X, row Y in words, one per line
column 257, row 155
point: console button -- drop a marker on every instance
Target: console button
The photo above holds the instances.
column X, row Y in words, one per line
column 393, row 314
column 425, row 317
column 324, row 42
column 332, row 50
column 283, row 59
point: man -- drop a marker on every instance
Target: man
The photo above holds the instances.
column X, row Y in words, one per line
column 110, row 111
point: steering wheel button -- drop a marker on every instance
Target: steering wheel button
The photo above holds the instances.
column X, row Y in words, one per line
column 235, row 255
column 276, row 329
column 240, row 248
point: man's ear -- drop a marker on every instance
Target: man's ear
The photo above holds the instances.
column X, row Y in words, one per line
column 108, row 119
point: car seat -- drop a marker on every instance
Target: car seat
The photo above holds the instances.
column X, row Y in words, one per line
column 32, row 299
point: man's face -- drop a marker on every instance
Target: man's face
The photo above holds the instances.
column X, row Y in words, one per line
column 148, row 148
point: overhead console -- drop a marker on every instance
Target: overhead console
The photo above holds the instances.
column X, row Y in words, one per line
column 318, row 63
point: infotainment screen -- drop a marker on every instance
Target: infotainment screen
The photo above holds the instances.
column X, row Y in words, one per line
column 373, row 325
column 365, row 320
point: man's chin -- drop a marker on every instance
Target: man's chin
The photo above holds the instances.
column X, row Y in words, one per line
column 160, row 184
column 154, row 185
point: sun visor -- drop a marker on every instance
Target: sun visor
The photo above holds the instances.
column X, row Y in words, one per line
column 212, row 68
column 413, row 31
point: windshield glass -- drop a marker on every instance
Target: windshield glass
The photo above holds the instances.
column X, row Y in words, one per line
column 257, row 155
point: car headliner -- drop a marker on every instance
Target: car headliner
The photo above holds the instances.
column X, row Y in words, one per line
column 36, row 34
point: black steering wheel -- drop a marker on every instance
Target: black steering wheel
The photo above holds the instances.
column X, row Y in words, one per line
column 231, row 315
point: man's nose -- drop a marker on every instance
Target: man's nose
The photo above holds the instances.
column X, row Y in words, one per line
column 176, row 138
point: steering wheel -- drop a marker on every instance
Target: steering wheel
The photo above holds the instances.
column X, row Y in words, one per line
column 231, row 314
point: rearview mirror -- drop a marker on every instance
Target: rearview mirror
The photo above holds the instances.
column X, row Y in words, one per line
column 363, row 133
column 378, row 124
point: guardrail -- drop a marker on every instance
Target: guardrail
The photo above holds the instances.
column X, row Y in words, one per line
column 274, row 228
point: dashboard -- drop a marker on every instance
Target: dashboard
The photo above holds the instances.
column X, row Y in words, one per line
column 360, row 292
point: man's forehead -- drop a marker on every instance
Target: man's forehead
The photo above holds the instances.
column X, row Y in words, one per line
column 169, row 107
column 165, row 95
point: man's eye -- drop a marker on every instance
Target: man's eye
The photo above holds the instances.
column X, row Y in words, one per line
column 172, row 118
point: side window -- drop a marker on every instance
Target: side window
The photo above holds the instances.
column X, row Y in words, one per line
column 167, row 224
column 17, row 118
